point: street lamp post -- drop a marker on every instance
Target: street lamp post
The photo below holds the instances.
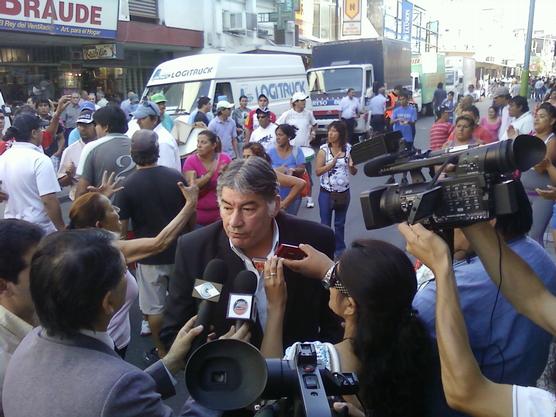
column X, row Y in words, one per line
column 523, row 91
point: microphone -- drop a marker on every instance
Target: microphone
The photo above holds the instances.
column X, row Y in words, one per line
column 208, row 290
column 241, row 305
column 373, row 167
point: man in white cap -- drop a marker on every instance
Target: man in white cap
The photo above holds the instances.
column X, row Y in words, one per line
column 72, row 154
column 148, row 117
column 501, row 98
column 305, row 122
column 225, row 128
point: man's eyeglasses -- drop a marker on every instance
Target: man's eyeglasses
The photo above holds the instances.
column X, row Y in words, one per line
column 336, row 282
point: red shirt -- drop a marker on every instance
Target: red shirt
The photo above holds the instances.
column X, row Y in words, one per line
column 439, row 134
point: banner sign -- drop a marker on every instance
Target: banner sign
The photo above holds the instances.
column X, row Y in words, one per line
column 351, row 18
column 104, row 51
column 81, row 18
column 407, row 21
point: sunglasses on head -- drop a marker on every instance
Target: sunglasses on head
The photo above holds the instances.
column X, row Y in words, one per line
column 150, row 106
column 336, row 282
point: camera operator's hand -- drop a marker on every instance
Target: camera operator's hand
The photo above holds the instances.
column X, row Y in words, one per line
column 242, row 333
column 175, row 358
column 352, row 410
column 275, row 284
column 548, row 193
column 314, row 265
column 426, row 246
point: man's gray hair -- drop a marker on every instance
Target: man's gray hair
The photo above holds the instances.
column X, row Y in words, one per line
column 251, row 175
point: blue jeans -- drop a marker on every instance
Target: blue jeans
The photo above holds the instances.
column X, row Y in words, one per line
column 293, row 208
column 325, row 209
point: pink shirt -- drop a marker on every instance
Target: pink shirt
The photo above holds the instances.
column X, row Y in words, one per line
column 207, row 206
column 491, row 127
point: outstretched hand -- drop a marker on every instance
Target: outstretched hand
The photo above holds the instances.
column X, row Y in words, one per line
column 275, row 284
column 175, row 359
column 108, row 185
column 314, row 265
column 191, row 194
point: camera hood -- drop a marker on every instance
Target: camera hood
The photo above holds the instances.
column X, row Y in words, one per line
column 226, row 374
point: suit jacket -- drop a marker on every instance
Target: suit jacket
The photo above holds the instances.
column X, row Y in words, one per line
column 307, row 315
column 80, row 376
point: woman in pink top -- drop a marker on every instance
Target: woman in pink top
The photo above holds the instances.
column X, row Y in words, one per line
column 203, row 169
column 491, row 122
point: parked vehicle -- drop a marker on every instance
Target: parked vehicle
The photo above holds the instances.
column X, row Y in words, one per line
column 427, row 70
column 460, row 72
column 226, row 77
column 357, row 64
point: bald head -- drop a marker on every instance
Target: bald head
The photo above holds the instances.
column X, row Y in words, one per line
column 144, row 147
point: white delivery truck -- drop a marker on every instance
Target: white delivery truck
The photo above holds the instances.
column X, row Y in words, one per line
column 225, row 77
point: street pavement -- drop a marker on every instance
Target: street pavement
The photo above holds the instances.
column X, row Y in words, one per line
column 355, row 228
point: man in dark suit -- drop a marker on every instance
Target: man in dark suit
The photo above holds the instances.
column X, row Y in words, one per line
column 252, row 226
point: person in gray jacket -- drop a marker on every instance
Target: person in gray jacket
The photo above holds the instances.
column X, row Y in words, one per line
column 68, row 366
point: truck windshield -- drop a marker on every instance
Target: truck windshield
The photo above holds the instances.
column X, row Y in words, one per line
column 335, row 80
column 182, row 97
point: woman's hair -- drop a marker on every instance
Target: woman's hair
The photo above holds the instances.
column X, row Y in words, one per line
column 86, row 211
column 391, row 343
column 341, row 128
column 258, row 150
column 213, row 138
column 289, row 130
column 71, row 273
column 551, row 110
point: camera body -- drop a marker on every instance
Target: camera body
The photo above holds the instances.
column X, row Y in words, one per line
column 480, row 187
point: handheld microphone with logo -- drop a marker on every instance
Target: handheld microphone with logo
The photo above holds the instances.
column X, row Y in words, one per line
column 208, row 290
column 241, row 305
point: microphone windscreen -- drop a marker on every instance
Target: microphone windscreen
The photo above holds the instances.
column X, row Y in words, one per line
column 245, row 283
column 215, row 271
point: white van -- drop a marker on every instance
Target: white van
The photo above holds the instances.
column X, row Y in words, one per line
column 227, row 77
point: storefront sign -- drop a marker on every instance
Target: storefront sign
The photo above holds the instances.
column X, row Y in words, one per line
column 407, row 21
column 351, row 18
column 104, row 51
column 82, row 18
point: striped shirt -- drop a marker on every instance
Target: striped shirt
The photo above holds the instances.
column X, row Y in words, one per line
column 440, row 131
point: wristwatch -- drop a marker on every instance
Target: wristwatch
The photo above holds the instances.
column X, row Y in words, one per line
column 326, row 279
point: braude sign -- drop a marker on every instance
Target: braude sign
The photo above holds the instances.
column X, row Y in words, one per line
column 83, row 18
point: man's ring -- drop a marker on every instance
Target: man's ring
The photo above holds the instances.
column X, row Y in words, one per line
column 273, row 274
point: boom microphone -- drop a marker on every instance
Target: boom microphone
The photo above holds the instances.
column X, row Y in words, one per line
column 208, row 289
column 241, row 306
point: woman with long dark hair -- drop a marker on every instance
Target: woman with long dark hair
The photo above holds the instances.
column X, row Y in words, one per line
column 334, row 166
column 385, row 343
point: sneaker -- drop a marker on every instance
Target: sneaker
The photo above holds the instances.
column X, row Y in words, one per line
column 145, row 328
column 310, row 203
column 151, row 356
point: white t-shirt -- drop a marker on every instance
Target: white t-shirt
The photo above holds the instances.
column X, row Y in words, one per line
column 71, row 154
column 27, row 174
column 266, row 137
column 169, row 154
column 532, row 402
column 349, row 107
column 504, row 123
column 524, row 124
column 304, row 121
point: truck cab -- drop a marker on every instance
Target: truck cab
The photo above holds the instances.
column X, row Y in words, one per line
column 328, row 85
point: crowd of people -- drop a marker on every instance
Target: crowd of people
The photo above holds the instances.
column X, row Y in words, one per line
column 143, row 224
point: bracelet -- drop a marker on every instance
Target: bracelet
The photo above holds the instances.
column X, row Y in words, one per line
column 326, row 279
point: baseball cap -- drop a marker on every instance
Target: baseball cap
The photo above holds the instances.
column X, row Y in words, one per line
column 87, row 105
column 299, row 96
column 501, row 91
column 133, row 98
column 265, row 112
column 223, row 104
column 443, row 109
column 145, row 109
column 85, row 116
column 158, row 98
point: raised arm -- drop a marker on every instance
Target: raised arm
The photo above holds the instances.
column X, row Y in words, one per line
column 520, row 285
column 465, row 387
column 276, row 294
column 137, row 249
